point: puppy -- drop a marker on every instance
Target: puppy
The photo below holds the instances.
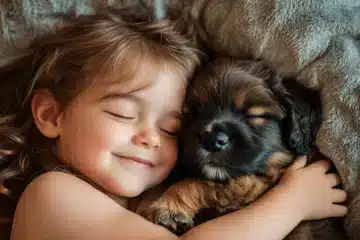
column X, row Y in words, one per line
column 242, row 128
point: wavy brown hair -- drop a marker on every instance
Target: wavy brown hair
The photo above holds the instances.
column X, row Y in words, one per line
column 108, row 44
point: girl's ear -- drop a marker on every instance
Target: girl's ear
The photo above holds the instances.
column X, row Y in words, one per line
column 46, row 113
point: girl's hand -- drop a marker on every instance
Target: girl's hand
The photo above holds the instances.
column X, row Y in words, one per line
column 312, row 188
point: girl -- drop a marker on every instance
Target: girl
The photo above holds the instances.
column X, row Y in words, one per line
column 93, row 110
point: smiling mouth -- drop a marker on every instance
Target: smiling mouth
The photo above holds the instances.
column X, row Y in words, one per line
column 136, row 160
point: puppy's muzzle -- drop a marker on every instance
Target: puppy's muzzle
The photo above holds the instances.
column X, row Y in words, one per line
column 214, row 141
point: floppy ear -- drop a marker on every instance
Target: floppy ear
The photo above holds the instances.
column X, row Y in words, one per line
column 303, row 117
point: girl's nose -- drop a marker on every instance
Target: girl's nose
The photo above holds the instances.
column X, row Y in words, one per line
column 148, row 138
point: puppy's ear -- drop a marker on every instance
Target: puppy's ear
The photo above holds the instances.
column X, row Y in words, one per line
column 303, row 116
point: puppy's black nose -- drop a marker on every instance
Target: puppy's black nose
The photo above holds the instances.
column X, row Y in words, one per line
column 214, row 141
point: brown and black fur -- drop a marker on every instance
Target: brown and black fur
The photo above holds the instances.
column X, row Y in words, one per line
column 243, row 126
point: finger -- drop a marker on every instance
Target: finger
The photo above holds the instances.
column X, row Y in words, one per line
column 333, row 179
column 321, row 165
column 338, row 195
column 338, row 210
column 299, row 162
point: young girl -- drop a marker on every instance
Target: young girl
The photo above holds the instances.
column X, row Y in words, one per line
column 93, row 110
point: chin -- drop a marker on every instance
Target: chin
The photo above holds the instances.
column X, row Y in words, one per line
column 129, row 191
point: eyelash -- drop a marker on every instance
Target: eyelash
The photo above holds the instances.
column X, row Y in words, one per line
column 264, row 116
column 172, row 134
column 255, row 116
column 120, row 116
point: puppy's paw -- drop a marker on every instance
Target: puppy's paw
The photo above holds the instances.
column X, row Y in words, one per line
column 176, row 220
column 178, row 223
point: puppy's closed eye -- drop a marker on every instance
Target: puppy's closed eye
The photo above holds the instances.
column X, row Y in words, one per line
column 258, row 115
column 258, row 121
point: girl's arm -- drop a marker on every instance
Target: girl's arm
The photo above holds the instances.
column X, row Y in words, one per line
column 60, row 206
column 302, row 194
column 272, row 217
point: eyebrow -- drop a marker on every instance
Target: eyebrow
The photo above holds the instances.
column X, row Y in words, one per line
column 114, row 96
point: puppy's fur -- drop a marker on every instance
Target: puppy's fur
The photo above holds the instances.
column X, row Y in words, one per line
column 242, row 127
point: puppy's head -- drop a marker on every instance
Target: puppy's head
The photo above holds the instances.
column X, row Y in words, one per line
column 239, row 117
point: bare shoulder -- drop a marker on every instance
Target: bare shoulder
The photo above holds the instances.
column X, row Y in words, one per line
column 63, row 186
column 55, row 199
column 59, row 189
column 56, row 182
column 58, row 205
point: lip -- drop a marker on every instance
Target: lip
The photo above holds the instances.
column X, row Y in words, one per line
column 141, row 161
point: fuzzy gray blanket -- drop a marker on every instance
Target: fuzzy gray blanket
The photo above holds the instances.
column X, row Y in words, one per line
column 317, row 41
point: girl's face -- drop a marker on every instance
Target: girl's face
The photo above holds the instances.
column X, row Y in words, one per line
column 121, row 136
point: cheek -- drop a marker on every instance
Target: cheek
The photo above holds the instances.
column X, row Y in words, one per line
column 169, row 153
column 90, row 137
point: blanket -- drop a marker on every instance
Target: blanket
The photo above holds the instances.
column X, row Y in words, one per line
column 317, row 41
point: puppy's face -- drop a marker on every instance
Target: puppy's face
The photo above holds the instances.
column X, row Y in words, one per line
column 233, row 123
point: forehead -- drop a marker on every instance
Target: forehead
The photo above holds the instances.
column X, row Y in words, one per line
column 132, row 75
column 254, row 93
column 228, row 85
column 157, row 85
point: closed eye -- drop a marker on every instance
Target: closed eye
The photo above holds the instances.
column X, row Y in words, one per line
column 170, row 126
column 120, row 116
column 268, row 116
column 260, row 112
column 170, row 133
column 261, row 119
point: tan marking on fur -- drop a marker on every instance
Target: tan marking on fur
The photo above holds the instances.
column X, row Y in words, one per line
column 243, row 94
column 186, row 197
column 258, row 110
column 258, row 121
column 276, row 163
column 246, row 189
column 240, row 98
column 255, row 92
column 4, row 191
column 189, row 196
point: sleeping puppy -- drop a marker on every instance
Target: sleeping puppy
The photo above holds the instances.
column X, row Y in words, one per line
column 241, row 130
